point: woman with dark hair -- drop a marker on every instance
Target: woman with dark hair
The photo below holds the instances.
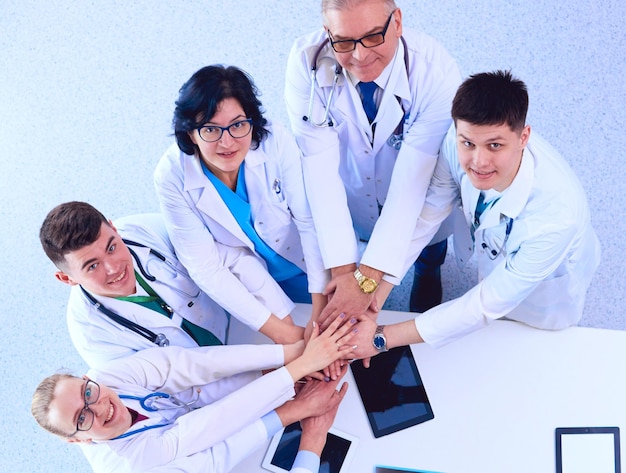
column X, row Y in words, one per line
column 236, row 180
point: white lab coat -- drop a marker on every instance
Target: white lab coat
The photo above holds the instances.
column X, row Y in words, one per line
column 99, row 339
column 347, row 176
column 541, row 275
column 197, row 218
column 224, row 425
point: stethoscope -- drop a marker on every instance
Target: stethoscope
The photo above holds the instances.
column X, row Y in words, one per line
column 158, row 339
column 395, row 140
column 493, row 254
column 148, row 404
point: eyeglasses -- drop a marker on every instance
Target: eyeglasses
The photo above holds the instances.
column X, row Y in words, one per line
column 367, row 41
column 211, row 133
column 86, row 416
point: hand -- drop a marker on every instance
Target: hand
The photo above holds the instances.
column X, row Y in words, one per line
column 322, row 349
column 315, row 398
column 347, row 298
column 362, row 336
column 315, row 429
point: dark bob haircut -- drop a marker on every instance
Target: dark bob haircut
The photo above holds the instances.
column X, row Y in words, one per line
column 492, row 98
column 200, row 96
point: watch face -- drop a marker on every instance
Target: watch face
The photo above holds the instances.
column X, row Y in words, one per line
column 369, row 285
column 379, row 342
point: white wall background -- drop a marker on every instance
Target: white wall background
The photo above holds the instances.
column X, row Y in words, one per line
column 86, row 95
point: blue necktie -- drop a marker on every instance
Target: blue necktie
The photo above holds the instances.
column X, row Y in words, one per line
column 369, row 105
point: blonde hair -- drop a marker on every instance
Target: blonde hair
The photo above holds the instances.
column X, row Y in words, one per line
column 43, row 397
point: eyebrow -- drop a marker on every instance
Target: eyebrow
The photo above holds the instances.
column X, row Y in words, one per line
column 91, row 260
column 376, row 29
column 82, row 396
column 490, row 140
column 238, row 118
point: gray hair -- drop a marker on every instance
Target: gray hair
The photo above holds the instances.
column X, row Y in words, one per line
column 349, row 4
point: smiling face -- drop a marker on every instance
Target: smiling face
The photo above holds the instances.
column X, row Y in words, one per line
column 104, row 267
column 111, row 417
column 224, row 156
column 490, row 154
column 366, row 64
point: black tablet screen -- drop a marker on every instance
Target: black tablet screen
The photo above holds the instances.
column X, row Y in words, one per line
column 392, row 391
column 332, row 457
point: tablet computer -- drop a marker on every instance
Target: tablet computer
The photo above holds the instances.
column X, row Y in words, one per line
column 587, row 449
column 283, row 448
column 392, row 391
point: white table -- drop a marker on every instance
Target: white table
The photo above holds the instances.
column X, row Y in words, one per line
column 497, row 395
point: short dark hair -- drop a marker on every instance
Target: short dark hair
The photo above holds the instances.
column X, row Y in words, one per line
column 199, row 97
column 69, row 227
column 492, row 98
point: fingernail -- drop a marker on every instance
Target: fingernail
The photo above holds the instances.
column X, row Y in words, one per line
column 326, row 378
column 354, row 347
column 342, row 315
column 352, row 320
column 314, row 324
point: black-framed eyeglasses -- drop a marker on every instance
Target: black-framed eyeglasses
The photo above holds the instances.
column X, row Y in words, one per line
column 368, row 41
column 211, row 133
column 86, row 416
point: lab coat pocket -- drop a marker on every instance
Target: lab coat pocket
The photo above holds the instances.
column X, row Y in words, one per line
column 273, row 220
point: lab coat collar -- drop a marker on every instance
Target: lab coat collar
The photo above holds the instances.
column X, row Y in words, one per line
column 193, row 177
column 209, row 201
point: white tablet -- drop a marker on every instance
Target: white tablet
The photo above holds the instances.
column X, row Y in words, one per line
column 336, row 456
column 587, row 449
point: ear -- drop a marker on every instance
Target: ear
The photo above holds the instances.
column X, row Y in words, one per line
column 65, row 278
column 113, row 227
column 397, row 19
column 525, row 136
column 192, row 137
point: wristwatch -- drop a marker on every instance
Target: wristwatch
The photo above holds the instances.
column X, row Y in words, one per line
column 366, row 284
column 379, row 341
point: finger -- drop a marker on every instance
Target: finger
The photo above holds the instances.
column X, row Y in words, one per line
column 318, row 375
column 345, row 328
column 374, row 305
column 335, row 324
column 366, row 362
column 315, row 331
column 347, row 352
column 330, row 287
column 343, row 390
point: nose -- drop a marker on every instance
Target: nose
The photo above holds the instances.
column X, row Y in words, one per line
column 360, row 52
column 110, row 266
column 479, row 157
column 226, row 139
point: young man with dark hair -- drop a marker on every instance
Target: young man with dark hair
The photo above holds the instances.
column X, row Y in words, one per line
column 133, row 293
column 526, row 214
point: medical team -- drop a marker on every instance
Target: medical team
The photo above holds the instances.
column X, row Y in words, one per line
column 390, row 154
